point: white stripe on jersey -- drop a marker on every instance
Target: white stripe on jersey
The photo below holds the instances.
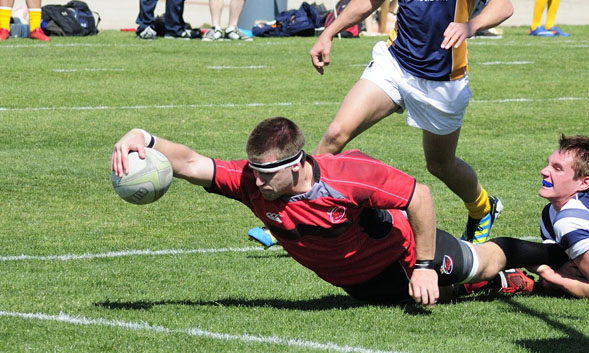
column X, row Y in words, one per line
column 571, row 226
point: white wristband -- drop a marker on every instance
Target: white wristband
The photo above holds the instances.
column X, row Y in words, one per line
column 148, row 139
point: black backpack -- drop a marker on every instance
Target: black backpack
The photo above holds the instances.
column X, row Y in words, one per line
column 72, row 19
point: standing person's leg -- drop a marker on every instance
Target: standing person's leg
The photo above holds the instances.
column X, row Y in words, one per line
column 146, row 19
column 35, row 20
column 174, row 20
column 232, row 32
column 215, row 32
column 536, row 29
column 5, row 13
column 551, row 16
column 441, row 161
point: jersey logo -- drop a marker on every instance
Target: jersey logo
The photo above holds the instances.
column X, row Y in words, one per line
column 337, row 214
column 274, row 216
column 447, row 265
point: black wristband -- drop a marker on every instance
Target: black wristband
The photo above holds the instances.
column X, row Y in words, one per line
column 424, row 264
column 151, row 142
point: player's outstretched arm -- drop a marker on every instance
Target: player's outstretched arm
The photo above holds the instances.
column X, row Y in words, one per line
column 356, row 11
column 423, row 286
column 186, row 163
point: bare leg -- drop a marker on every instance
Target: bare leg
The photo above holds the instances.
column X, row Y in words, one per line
column 234, row 11
column 216, row 8
column 441, row 160
column 364, row 105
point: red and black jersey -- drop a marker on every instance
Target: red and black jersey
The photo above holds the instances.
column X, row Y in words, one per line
column 349, row 227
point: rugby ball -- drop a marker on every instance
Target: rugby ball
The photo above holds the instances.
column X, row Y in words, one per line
column 147, row 180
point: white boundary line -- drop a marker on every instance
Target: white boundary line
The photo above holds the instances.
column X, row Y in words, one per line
column 247, row 105
column 87, row 256
column 196, row 332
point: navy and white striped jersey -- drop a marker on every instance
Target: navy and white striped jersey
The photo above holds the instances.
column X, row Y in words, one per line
column 569, row 227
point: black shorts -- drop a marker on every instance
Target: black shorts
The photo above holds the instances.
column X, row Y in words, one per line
column 453, row 261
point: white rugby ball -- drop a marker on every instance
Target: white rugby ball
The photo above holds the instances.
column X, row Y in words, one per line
column 148, row 179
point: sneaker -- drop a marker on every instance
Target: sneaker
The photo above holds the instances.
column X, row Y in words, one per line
column 263, row 236
column 4, row 34
column 213, row 34
column 514, row 280
column 540, row 31
column 187, row 34
column 478, row 230
column 38, row 34
column 147, row 33
column 491, row 33
column 558, row 32
column 234, row 33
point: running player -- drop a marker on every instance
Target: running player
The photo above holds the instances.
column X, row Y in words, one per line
column 422, row 69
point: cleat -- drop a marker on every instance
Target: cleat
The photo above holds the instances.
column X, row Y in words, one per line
column 38, row 34
column 213, row 34
column 233, row 33
column 479, row 230
column 263, row 236
column 186, row 34
column 540, row 31
column 148, row 33
column 514, row 281
column 4, row 34
column 558, row 32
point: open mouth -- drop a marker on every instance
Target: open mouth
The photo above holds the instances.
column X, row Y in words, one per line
column 546, row 184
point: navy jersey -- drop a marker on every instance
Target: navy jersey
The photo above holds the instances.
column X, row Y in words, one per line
column 420, row 33
column 569, row 227
column 348, row 228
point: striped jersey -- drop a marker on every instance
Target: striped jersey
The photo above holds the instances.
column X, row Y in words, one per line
column 347, row 228
column 419, row 34
column 569, row 227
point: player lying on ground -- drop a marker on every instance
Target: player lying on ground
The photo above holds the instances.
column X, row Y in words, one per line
column 565, row 221
column 356, row 222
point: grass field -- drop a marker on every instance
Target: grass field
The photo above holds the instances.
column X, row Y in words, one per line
column 83, row 271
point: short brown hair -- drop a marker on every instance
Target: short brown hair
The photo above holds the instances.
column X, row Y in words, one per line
column 275, row 135
column 579, row 147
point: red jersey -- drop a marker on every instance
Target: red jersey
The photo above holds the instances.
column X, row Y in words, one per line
column 348, row 228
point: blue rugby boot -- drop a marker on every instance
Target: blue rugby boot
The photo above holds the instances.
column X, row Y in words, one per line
column 479, row 230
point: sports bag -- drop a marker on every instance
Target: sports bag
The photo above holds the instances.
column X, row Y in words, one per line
column 351, row 32
column 301, row 22
column 72, row 19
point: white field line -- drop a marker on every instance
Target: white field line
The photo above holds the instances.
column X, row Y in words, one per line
column 249, row 105
column 87, row 69
column 196, row 332
column 87, row 256
column 507, row 63
column 250, row 67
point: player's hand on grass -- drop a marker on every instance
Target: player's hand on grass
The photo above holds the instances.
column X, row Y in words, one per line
column 132, row 141
column 320, row 53
column 423, row 287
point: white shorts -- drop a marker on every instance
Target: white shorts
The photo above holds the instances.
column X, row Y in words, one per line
column 434, row 106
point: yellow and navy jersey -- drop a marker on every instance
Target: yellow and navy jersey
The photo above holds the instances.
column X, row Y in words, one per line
column 419, row 34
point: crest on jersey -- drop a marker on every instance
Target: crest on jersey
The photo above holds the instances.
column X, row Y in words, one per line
column 337, row 214
column 447, row 265
column 274, row 216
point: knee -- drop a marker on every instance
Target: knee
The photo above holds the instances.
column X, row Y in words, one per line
column 334, row 139
column 436, row 168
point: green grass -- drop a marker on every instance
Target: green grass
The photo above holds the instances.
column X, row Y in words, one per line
column 64, row 104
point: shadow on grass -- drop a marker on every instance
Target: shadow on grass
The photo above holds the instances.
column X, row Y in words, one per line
column 324, row 303
column 574, row 341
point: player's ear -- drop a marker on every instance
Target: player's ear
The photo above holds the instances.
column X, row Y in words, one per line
column 585, row 183
column 296, row 168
